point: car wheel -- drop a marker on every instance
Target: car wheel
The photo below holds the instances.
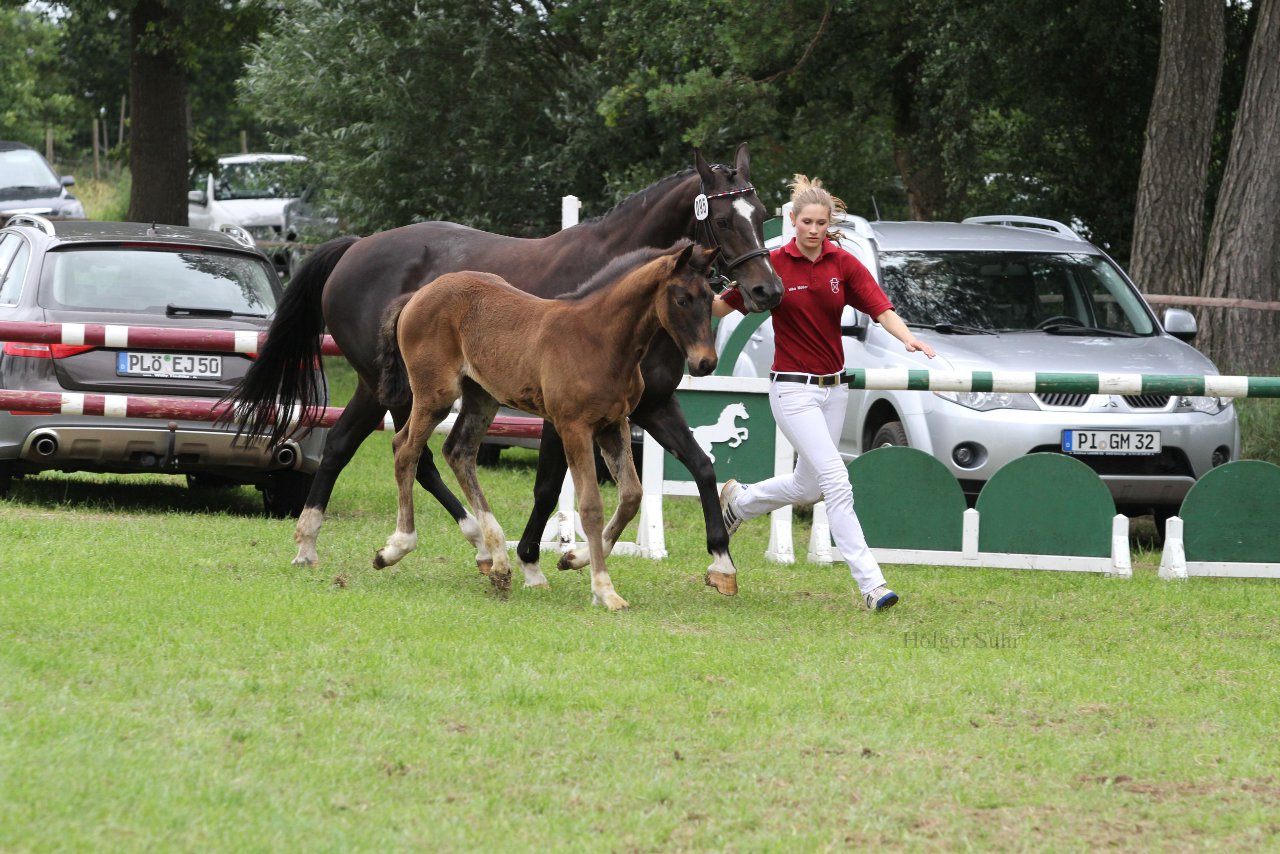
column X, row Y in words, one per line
column 892, row 433
column 488, row 455
column 285, row 493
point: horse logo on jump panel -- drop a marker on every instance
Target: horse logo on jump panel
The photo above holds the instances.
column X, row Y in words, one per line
column 724, row 430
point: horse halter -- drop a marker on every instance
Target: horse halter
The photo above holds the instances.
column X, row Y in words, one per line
column 702, row 213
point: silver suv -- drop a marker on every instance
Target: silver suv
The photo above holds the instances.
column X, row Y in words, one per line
column 1022, row 294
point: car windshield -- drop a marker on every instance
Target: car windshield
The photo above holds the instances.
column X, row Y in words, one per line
column 150, row 280
column 22, row 167
column 267, row 179
column 1013, row 292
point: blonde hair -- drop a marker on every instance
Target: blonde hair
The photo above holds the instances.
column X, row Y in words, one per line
column 806, row 191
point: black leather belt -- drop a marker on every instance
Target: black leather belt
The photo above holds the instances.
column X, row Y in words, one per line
column 810, row 379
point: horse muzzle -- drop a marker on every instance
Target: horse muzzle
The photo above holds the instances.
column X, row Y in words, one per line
column 702, row 362
column 761, row 296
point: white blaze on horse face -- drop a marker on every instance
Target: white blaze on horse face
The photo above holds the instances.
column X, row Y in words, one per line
column 743, row 209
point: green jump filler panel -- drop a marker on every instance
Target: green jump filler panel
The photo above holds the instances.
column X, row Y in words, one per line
column 928, row 516
column 1232, row 514
column 1046, row 504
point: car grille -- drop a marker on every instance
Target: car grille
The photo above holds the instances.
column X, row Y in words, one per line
column 1170, row 462
column 1077, row 400
column 1063, row 398
column 1147, row 401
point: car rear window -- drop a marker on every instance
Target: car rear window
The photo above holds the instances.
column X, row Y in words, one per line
column 148, row 280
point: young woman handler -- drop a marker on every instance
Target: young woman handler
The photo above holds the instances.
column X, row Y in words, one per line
column 808, row 393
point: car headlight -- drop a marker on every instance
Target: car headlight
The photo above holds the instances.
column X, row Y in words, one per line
column 261, row 232
column 984, row 401
column 1207, row 405
column 72, row 209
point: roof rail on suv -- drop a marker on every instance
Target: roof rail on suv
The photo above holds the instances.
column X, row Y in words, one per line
column 32, row 219
column 1017, row 221
column 861, row 227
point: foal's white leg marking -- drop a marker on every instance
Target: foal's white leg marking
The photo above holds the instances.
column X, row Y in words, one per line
column 495, row 542
column 470, row 527
column 533, row 576
column 304, row 534
column 574, row 560
column 398, row 545
column 602, row 593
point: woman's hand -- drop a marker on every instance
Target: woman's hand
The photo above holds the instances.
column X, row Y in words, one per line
column 898, row 329
column 915, row 345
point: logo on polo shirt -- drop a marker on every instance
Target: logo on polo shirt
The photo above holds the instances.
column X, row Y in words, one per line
column 835, row 285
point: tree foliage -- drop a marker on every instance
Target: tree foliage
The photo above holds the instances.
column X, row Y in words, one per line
column 35, row 96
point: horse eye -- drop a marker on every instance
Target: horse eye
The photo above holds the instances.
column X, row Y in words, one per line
column 682, row 300
column 722, row 221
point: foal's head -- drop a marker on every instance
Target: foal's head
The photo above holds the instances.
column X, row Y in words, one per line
column 684, row 305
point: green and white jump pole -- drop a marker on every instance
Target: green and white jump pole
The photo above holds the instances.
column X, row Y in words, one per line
column 1037, row 382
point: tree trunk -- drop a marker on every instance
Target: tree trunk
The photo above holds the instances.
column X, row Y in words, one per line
column 1243, row 257
column 158, row 134
column 1168, row 231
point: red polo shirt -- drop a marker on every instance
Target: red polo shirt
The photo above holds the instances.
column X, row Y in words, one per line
column 806, row 324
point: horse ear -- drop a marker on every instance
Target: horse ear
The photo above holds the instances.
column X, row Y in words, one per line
column 709, row 257
column 704, row 168
column 742, row 163
column 683, row 257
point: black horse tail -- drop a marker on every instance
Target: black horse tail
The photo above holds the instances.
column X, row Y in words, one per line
column 288, row 373
column 393, row 376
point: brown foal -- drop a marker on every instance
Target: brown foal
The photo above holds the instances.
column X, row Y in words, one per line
column 575, row 361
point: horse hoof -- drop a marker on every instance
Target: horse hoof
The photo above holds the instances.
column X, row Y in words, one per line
column 566, row 561
column 611, row 600
column 379, row 562
column 306, row 561
column 724, row 583
column 501, row 581
column 485, row 566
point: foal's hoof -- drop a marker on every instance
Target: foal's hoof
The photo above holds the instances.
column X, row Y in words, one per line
column 568, row 560
column 380, row 562
column 610, row 600
column 724, row 583
column 485, row 566
column 501, row 581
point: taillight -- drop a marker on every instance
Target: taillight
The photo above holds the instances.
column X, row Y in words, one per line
column 45, row 351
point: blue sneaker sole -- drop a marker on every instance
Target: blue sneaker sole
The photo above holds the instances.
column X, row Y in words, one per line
column 887, row 602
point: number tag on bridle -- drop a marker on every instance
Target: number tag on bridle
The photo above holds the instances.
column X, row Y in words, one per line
column 700, row 207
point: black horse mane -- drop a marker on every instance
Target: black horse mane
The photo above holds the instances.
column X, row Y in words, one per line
column 619, row 267
column 659, row 186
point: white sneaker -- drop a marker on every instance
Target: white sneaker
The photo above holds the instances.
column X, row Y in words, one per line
column 729, row 511
column 880, row 598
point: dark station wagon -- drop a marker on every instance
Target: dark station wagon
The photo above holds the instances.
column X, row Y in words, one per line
column 132, row 274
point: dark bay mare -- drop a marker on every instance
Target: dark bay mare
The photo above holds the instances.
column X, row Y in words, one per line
column 474, row 336
column 347, row 284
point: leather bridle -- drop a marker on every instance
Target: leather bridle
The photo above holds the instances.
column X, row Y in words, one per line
column 722, row 266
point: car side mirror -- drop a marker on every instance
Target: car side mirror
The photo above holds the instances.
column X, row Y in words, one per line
column 1180, row 323
column 198, row 197
column 67, row 180
column 853, row 324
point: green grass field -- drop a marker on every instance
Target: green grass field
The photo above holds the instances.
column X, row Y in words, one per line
column 169, row 682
